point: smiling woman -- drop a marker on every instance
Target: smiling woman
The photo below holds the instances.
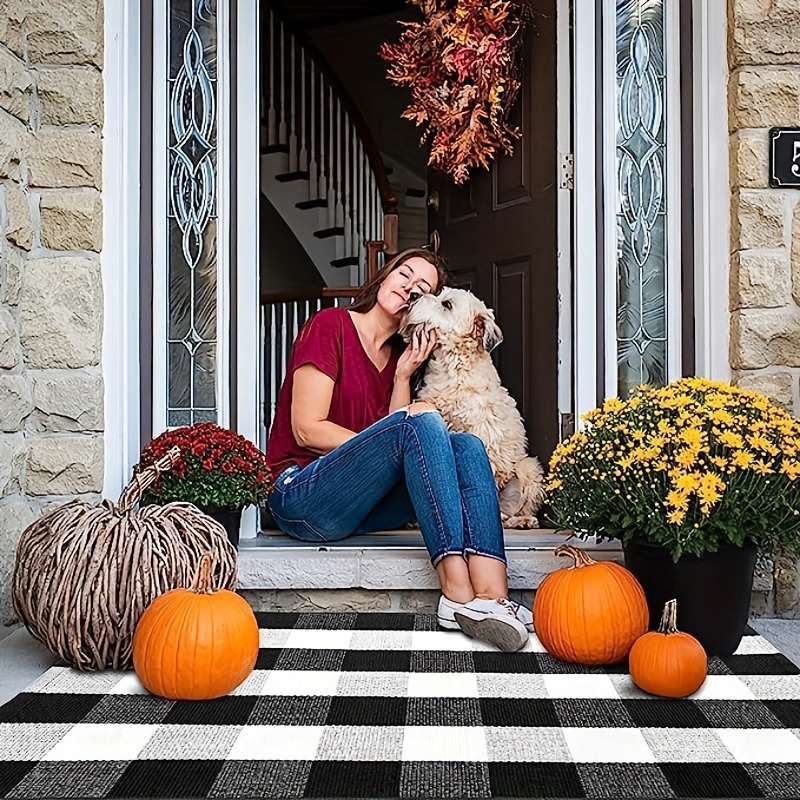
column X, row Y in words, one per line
column 351, row 453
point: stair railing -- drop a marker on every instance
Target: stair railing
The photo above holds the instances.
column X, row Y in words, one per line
column 310, row 115
column 282, row 316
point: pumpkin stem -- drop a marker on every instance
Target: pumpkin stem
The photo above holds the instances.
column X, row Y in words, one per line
column 669, row 618
column 581, row 557
column 201, row 583
column 132, row 493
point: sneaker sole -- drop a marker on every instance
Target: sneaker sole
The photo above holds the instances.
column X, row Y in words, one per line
column 503, row 636
column 448, row 624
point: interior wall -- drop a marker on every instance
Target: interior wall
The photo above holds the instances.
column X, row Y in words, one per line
column 351, row 51
column 284, row 264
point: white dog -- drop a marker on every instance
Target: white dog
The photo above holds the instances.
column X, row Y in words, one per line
column 463, row 384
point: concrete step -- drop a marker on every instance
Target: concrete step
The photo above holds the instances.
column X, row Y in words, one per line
column 390, row 560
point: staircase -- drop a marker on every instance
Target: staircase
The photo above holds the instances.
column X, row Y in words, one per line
column 320, row 167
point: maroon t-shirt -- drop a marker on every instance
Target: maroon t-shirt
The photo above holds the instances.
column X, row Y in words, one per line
column 361, row 392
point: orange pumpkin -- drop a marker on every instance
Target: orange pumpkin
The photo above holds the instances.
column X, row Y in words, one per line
column 591, row 612
column 667, row 662
column 195, row 644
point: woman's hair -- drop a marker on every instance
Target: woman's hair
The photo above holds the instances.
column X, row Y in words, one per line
column 368, row 295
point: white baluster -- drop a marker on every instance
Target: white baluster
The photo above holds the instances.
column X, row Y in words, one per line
column 331, row 163
column 285, row 344
column 295, row 326
column 293, row 111
column 348, row 209
column 274, row 384
column 339, row 166
column 322, row 192
column 272, row 133
column 359, row 209
column 303, row 158
column 282, row 119
column 313, row 176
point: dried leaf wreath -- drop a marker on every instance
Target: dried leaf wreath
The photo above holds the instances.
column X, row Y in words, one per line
column 462, row 66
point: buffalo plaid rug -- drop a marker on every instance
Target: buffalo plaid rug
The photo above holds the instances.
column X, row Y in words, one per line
column 386, row 705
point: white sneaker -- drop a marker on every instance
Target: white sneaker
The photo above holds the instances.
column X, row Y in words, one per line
column 445, row 614
column 522, row 613
column 493, row 621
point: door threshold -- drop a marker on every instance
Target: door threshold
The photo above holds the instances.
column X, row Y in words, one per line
column 541, row 538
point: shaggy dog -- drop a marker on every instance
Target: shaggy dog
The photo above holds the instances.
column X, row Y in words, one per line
column 462, row 382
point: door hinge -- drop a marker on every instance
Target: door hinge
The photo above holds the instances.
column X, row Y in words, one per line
column 567, row 425
column 566, row 171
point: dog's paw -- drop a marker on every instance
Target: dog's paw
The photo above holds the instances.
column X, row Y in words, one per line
column 521, row 523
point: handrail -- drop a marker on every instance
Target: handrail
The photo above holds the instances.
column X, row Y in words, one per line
column 388, row 199
column 309, row 293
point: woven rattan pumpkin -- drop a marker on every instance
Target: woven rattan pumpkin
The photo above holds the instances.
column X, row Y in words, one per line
column 84, row 573
column 591, row 612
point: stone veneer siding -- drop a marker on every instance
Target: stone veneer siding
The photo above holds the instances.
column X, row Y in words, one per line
column 764, row 91
column 51, row 304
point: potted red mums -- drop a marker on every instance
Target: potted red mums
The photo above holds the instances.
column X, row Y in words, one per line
column 219, row 471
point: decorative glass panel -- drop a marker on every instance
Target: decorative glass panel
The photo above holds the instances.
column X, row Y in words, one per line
column 641, row 203
column 192, row 269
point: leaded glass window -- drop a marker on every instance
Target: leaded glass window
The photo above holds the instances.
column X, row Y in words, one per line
column 641, row 203
column 192, row 213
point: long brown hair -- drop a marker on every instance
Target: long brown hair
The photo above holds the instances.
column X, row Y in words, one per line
column 368, row 296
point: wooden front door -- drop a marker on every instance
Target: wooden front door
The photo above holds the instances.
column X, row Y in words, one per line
column 498, row 233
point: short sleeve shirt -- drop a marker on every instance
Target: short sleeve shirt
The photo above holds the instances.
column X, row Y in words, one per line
column 361, row 392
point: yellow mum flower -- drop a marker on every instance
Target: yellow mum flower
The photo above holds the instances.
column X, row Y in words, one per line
column 743, row 459
column 692, row 436
column 678, row 500
column 732, row 440
column 686, row 458
column 688, row 482
column 613, row 404
column 760, row 442
column 762, row 468
column 676, row 517
column 791, row 469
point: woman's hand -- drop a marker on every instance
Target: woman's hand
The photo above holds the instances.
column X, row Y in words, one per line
column 419, row 348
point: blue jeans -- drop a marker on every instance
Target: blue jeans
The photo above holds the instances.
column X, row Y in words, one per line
column 405, row 467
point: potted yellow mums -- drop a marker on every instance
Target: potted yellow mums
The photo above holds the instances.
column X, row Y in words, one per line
column 694, row 478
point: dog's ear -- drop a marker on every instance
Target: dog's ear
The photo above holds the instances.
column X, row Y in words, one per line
column 486, row 331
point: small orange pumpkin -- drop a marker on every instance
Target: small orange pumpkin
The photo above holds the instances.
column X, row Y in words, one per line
column 591, row 612
column 195, row 643
column 666, row 661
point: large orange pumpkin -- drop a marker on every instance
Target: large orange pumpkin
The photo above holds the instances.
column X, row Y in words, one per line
column 666, row 661
column 195, row 644
column 591, row 612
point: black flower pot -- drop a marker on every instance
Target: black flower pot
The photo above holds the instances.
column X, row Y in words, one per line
column 713, row 591
column 230, row 519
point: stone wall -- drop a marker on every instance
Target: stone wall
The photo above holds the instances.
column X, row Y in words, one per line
column 764, row 91
column 51, row 305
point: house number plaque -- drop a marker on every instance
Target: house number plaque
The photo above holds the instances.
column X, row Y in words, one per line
column 784, row 158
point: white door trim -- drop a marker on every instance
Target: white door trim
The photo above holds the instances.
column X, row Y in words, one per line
column 712, row 189
column 564, row 209
column 119, row 258
column 248, row 390
column 586, row 196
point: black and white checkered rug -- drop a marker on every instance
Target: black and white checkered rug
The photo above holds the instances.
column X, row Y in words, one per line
column 386, row 705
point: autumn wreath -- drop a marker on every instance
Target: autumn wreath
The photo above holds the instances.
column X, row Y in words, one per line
column 461, row 63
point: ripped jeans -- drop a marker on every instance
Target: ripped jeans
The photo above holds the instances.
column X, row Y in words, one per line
column 404, row 467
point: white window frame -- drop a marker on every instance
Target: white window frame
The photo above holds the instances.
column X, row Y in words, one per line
column 595, row 370
column 120, row 255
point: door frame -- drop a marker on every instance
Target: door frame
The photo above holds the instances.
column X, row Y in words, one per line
column 579, row 217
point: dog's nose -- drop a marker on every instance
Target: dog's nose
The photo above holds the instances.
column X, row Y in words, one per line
column 413, row 297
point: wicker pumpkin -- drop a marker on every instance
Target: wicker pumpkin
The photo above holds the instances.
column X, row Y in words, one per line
column 196, row 643
column 591, row 612
column 666, row 661
column 84, row 573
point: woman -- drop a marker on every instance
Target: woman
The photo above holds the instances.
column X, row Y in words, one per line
column 352, row 454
